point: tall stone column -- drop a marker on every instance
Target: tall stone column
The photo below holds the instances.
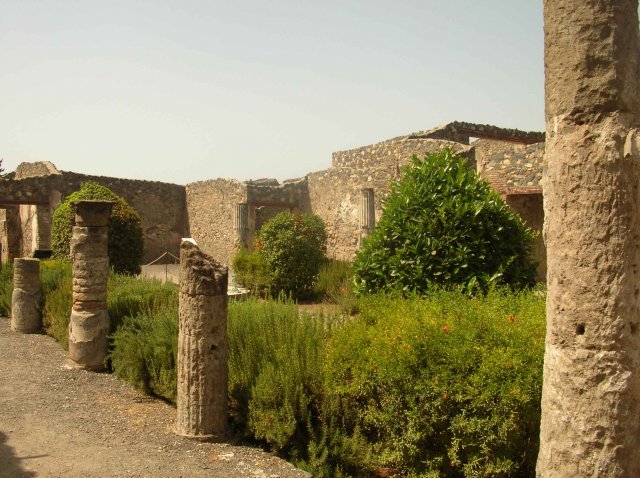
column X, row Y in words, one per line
column 89, row 321
column 241, row 225
column 367, row 212
column 25, row 300
column 591, row 391
column 202, row 345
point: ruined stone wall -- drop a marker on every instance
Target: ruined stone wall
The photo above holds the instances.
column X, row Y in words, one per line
column 392, row 154
column 161, row 207
column 335, row 194
column 211, row 208
column 512, row 164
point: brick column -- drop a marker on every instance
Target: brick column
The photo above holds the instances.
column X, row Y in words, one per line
column 89, row 321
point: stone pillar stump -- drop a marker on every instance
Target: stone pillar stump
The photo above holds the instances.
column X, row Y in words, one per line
column 89, row 321
column 25, row 300
column 202, row 345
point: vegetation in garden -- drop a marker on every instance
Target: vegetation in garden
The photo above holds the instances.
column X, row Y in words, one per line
column 288, row 253
column 443, row 225
column 6, row 289
column 442, row 385
column 125, row 228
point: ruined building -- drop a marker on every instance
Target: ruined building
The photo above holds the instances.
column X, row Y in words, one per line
column 223, row 214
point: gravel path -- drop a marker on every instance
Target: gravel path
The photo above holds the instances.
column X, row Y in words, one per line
column 56, row 422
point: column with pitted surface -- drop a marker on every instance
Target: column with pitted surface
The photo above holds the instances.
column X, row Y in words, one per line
column 25, row 300
column 591, row 389
column 202, row 345
column 89, row 321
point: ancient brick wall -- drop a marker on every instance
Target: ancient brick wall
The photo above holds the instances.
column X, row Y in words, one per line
column 211, row 209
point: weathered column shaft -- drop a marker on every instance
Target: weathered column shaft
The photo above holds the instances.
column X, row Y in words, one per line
column 591, row 392
column 241, row 225
column 202, row 345
column 367, row 210
column 89, row 320
column 25, row 300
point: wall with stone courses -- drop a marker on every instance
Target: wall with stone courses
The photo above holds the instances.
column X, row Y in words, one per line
column 161, row 207
column 392, row 154
column 335, row 194
column 508, row 164
column 211, row 209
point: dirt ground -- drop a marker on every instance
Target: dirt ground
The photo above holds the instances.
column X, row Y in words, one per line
column 56, row 422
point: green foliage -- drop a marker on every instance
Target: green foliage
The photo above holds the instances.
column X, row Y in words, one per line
column 251, row 271
column 445, row 386
column 293, row 246
column 132, row 297
column 145, row 351
column 6, row 289
column 56, row 283
column 335, row 285
column 125, row 228
column 275, row 363
column 442, row 225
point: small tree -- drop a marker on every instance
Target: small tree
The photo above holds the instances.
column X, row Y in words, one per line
column 125, row 228
column 443, row 225
column 293, row 247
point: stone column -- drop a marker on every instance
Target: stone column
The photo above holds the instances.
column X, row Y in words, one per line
column 591, row 391
column 241, row 225
column 89, row 321
column 25, row 300
column 202, row 345
column 367, row 212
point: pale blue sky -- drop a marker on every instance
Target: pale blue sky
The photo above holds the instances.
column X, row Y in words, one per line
column 193, row 90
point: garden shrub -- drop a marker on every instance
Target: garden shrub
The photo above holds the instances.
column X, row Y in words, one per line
column 293, row 247
column 444, row 225
column 145, row 352
column 6, row 289
column 275, row 379
column 251, row 271
column 56, row 282
column 125, row 228
column 446, row 386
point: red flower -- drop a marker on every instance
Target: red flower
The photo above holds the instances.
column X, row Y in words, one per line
column 512, row 319
column 445, row 328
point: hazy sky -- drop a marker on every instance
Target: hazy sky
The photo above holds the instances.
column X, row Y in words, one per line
column 190, row 90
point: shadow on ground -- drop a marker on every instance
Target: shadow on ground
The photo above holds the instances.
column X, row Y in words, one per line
column 9, row 463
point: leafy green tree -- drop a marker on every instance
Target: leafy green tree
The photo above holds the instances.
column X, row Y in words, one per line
column 443, row 225
column 293, row 247
column 125, row 228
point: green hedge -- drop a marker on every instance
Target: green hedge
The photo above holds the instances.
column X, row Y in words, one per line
column 444, row 385
column 125, row 228
column 443, row 225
